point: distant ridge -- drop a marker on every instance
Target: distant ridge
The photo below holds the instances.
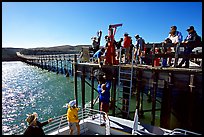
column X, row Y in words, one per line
column 9, row 53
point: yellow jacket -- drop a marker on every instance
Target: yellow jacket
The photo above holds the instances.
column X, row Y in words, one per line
column 72, row 114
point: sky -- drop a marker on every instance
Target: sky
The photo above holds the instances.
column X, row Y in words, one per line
column 49, row 24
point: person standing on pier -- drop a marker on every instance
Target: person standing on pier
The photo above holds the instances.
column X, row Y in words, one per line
column 103, row 89
column 96, row 41
column 140, row 49
column 118, row 45
column 126, row 45
column 35, row 127
column 72, row 117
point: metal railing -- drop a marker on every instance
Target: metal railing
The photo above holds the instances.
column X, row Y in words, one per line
column 178, row 131
column 61, row 121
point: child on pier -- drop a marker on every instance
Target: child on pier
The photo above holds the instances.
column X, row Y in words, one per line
column 72, row 117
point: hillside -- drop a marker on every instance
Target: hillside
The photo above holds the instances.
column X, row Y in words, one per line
column 9, row 54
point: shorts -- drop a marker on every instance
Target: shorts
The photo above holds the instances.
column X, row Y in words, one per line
column 104, row 107
column 127, row 50
column 73, row 124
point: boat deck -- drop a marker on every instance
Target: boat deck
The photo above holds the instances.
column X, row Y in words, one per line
column 118, row 126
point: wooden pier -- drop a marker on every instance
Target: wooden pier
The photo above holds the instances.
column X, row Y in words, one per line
column 179, row 90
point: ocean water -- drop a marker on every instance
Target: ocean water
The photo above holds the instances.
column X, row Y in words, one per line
column 27, row 89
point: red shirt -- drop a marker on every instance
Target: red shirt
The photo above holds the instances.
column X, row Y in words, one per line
column 126, row 42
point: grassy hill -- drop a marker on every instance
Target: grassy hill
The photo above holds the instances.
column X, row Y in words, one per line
column 9, row 54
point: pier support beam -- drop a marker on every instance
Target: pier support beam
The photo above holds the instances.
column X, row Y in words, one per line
column 92, row 87
column 165, row 115
column 83, row 87
column 139, row 88
column 155, row 85
column 114, row 96
column 75, row 79
column 191, row 102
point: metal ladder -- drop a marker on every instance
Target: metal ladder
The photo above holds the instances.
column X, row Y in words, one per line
column 125, row 77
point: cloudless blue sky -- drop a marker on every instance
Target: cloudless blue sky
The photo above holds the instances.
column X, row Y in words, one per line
column 48, row 24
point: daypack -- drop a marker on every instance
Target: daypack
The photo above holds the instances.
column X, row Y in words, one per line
column 143, row 44
column 198, row 40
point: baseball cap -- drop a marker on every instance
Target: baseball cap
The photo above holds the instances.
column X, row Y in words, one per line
column 72, row 103
column 190, row 28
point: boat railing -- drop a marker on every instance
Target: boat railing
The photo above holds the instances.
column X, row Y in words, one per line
column 61, row 121
column 135, row 124
column 178, row 131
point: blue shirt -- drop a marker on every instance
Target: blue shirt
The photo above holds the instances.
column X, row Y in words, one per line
column 104, row 97
column 139, row 44
column 98, row 54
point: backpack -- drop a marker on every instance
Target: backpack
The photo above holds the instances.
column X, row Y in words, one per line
column 197, row 40
column 143, row 44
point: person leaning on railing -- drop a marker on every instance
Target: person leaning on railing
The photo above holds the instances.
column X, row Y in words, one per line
column 175, row 37
column 35, row 127
column 192, row 40
column 72, row 117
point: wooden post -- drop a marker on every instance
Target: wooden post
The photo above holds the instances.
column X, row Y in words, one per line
column 166, row 104
column 139, row 85
column 114, row 96
column 57, row 64
column 61, row 64
column 71, row 66
column 83, row 87
column 92, row 88
column 125, row 103
column 75, row 79
column 155, row 84
column 153, row 54
column 191, row 102
column 176, row 54
column 42, row 61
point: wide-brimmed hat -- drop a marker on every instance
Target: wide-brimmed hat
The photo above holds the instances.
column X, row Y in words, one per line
column 72, row 103
column 31, row 117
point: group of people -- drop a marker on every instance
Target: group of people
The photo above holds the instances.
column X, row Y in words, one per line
column 127, row 48
column 175, row 37
column 140, row 50
column 104, row 86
